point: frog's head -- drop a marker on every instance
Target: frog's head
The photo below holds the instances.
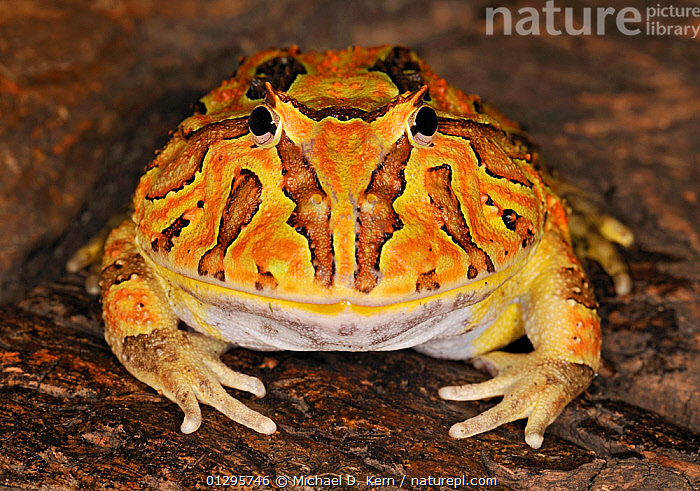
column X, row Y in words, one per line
column 345, row 177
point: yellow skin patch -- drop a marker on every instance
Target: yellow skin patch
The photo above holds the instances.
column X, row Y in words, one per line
column 349, row 200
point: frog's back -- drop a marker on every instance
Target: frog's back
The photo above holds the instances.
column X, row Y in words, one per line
column 344, row 198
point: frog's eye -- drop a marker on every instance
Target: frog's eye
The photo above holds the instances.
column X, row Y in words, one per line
column 422, row 126
column 264, row 125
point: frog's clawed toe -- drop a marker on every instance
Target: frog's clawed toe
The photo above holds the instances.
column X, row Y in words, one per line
column 532, row 387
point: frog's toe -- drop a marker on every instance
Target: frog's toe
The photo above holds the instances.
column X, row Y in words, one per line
column 508, row 410
column 532, row 387
column 217, row 397
column 177, row 387
column 602, row 250
column 193, row 415
column 622, row 283
column 475, row 392
column 615, row 231
column 236, row 380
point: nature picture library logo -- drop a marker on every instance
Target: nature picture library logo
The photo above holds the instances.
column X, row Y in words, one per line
column 659, row 20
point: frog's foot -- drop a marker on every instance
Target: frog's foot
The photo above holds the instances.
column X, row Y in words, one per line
column 533, row 387
column 186, row 368
column 89, row 256
column 594, row 234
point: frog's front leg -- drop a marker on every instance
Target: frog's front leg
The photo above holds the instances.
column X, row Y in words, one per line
column 141, row 329
column 559, row 318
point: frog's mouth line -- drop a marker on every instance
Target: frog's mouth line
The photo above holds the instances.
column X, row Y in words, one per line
column 213, row 294
column 262, row 323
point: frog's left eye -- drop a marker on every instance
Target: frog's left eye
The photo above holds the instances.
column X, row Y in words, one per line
column 422, row 126
column 264, row 125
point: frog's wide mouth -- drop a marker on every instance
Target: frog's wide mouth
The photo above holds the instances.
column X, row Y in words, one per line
column 212, row 293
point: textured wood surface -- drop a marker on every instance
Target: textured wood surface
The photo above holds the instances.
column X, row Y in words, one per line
column 89, row 90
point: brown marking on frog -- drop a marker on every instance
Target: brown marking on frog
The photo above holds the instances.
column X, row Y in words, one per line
column 577, row 288
column 343, row 113
column 378, row 220
column 520, row 225
column 510, row 218
column 402, row 69
column 427, row 281
column 164, row 242
column 312, row 213
column 124, row 268
column 438, row 182
column 265, row 281
column 241, row 206
column 280, row 72
column 492, row 148
column 180, row 170
column 150, row 352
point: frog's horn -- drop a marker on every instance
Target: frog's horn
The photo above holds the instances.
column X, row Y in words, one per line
column 271, row 98
column 416, row 97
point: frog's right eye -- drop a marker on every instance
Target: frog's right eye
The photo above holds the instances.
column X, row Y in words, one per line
column 422, row 126
column 265, row 126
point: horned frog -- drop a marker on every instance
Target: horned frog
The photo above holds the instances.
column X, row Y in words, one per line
column 349, row 200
